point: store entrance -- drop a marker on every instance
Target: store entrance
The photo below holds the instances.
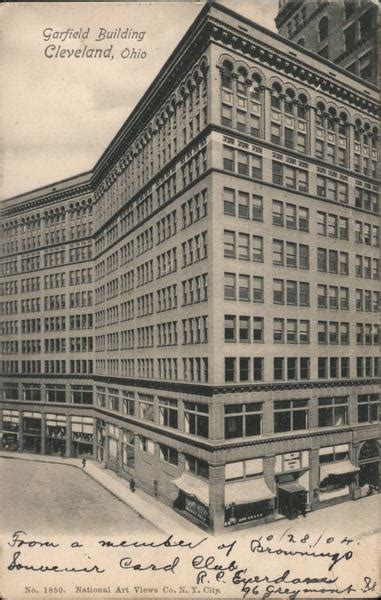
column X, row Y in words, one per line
column 292, row 499
column 370, row 467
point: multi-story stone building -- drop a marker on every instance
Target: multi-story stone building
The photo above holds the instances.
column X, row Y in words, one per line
column 343, row 31
column 201, row 311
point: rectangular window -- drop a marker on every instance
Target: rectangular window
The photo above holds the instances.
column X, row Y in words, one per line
column 243, row 420
column 228, row 158
column 229, row 201
column 196, row 418
column 230, row 363
column 229, row 244
column 258, row 292
column 229, row 286
column 230, row 328
column 333, row 411
column 290, row 415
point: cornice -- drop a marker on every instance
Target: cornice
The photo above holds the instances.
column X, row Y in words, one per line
column 46, row 200
column 291, row 66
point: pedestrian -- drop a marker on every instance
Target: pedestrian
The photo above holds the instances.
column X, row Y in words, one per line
column 83, row 462
column 303, row 508
column 132, row 484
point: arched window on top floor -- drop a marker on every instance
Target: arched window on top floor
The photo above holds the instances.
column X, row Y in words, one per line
column 242, row 81
column 323, row 29
column 275, row 95
column 226, row 75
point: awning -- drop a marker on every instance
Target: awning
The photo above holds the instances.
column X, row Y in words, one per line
column 291, row 487
column 194, row 486
column 245, row 492
column 342, row 467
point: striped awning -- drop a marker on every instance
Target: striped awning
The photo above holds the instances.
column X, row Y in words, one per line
column 247, row 491
column 193, row 486
column 342, row 467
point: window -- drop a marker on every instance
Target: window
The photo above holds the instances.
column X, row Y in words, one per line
column 257, row 248
column 333, row 411
column 278, row 252
column 258, row 365
column 278, row 368
column 277, row 213
column 230, row 369
column 230, row 326
column 256, row 164
column 229, row 201
column 290, row 415
column 55, row 392
column 168, row 412
column 243, row 420
column 244, row 333
column 257, row 208
column 258, row 291
column 197, row 466
column 168, row 454
column 278, row 291
column 82, row 394
column 258, row 329
column 243, row 246
column 368, row 408
column 228, row 158
column 196, row 418
column 243, row 163
column 146, row 407
column 278, row 330
column 229, row 244
column 243, row 205
column 229, row 286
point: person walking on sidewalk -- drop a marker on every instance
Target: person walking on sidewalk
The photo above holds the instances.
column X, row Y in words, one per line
column 132, row 484
column 83, row 462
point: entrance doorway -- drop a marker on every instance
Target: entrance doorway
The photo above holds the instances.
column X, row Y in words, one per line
column 369, row 463
column 292, row 499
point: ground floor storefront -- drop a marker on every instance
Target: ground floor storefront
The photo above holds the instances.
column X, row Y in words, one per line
column 240, row 485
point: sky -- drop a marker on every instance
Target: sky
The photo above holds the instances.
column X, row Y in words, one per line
column 57, row 115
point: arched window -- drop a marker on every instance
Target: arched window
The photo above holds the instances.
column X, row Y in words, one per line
column 323, row 29
column 241, row 81
column 226, row 75
column 275, row 96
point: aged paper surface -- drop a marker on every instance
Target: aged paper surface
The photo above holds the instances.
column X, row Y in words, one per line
column 58, row 114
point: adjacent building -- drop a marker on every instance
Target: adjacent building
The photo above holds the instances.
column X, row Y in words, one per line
column 343, row 31
column 201, row 311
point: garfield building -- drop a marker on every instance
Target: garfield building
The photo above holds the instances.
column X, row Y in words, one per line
column 201, row 311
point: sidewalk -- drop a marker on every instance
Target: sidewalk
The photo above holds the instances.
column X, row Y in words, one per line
column 161, row 516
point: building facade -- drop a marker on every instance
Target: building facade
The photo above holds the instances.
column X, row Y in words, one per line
column 343, row 31
column 200, row 312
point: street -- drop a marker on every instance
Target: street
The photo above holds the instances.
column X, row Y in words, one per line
column 40, row 497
